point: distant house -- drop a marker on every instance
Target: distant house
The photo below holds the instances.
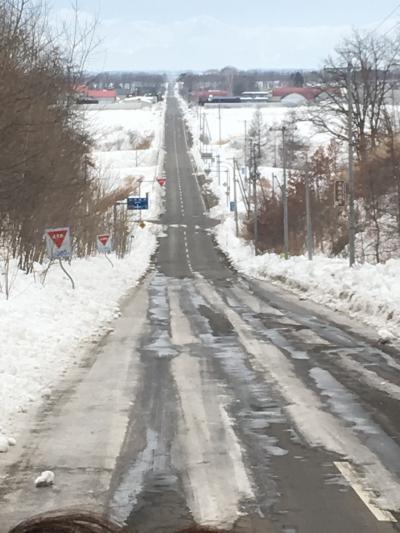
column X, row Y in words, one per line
column 309, row 93
column 102, row 96
column 203, row 95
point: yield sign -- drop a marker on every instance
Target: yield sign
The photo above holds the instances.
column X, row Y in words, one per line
column 58, row 243
column 58, row 236
column 103, row 239
column 162, row 181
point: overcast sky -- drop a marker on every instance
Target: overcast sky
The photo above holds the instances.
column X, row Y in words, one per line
column 203, row 34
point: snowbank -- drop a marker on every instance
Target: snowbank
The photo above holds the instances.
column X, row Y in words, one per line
column 43, row 326
column 368, row 292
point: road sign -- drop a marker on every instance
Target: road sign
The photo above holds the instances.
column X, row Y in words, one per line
column 162, row 181
column 142, row 224
column 104, row 243
column 58, row 243
column 206, row 155
column 340, row 193
column 137, row 203
column 232, row 205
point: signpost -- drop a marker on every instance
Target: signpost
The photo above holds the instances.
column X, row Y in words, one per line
column 340, row 193
column 58, row 243
column 137, row 203
column 162, row 181
column 104, row 243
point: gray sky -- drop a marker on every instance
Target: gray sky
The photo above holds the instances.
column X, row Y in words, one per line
column 177, row 34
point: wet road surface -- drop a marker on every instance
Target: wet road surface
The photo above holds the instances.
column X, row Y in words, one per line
column 218, row 400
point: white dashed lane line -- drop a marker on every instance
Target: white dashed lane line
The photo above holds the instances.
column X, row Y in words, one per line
column 351, row 476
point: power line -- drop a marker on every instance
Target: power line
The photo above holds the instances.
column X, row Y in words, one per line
column 385, row 19
column 391, row 29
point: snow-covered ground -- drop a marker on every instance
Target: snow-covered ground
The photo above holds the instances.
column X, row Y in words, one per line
column 129, row 144
column 44, row 328
column 226, row 128
column 369, row 292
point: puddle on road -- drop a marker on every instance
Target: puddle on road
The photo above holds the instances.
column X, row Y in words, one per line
column 131, row 484
column 343, row 402
column 282, row 342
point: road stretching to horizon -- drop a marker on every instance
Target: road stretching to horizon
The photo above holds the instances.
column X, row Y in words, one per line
column 219, row 400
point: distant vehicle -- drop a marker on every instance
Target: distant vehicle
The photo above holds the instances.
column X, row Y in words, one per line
column 87, row 100
column 255, row 95
column 235, row 99
column 223, row 100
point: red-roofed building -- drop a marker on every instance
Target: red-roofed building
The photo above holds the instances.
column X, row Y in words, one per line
column 203, row 95
column 101, row 95
column 310, row 93
column 108, row 95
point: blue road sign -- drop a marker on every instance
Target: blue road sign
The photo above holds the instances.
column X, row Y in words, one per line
column 232, row 206
column 137, row 203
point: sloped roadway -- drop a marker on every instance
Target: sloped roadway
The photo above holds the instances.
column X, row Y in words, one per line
column 220, row 400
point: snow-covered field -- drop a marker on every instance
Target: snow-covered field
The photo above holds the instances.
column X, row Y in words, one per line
column 226, row 129
column 121, row 150
column 44, row 328
column 369, row 292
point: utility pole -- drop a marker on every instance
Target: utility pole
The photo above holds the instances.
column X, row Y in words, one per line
column 285, row 197
column 235, row 198
column 255, row 176
column 352, row 232
column 219, row 124
column 219, row 169
column 245, row 143
column 228, row 187
column 310, row 243
column 273, row 186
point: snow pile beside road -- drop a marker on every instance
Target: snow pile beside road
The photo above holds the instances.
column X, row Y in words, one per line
column 368, row 292
column 43, row 326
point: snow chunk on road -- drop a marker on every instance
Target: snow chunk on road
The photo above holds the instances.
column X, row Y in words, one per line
column 385, row 336
column 46, row 479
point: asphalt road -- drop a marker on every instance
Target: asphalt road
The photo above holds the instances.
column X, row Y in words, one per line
column 218, row 400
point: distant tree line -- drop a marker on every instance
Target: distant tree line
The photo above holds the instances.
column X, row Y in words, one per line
column 236, row 81
column 127, row 81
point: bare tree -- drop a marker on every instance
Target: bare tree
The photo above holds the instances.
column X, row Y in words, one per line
column 371, row 60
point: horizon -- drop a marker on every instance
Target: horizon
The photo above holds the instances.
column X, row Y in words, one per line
column 180, row 37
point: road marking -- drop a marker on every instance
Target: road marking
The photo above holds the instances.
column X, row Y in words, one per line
column 351, row 476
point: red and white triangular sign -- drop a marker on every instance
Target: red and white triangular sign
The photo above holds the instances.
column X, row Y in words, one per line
column 58, row 236
column 104, row 239
column 162, row 181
